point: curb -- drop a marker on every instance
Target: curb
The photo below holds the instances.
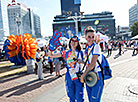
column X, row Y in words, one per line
column 15, row 71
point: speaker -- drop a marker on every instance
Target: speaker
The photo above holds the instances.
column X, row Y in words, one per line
column 91, row 78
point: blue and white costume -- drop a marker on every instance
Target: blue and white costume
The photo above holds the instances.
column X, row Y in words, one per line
column 95, row 92
column 74, row 88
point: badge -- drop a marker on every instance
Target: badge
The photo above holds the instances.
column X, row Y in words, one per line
column 73, row 74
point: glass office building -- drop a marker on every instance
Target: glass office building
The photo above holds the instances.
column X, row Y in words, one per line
column 30, row 22
column 20, row 10
column 67, row 25
column 4, row 27
column 133, row 15
column 70, row 5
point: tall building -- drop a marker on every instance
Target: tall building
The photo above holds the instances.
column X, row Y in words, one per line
column 27, row 18
column 37, row 26
column 67, row 25
column 18, row 10
column 133, row 14
column 70, row 5
column 4, row 27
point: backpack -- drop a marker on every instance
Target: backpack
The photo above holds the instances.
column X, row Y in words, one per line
column 105, row 67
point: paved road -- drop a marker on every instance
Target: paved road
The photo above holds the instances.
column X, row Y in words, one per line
column 123, row 87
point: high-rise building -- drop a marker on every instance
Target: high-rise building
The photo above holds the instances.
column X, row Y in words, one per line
column 133, row 15
column 37, row 26
column 18, row 10
column 4, row 27
column 70, row 5
column 27, row 17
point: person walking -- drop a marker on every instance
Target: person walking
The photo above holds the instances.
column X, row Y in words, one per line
column 39, row 59
column 120, row 47
column 74, row 87
column 94, row 93
column 135, row 46
column 50, row 61
column 109, row 48
column 57, row 64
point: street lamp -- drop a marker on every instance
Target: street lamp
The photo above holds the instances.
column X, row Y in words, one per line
column 18, row 21
column 76, row 18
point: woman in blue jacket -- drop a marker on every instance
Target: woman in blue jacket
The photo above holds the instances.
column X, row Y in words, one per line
column 74, row 87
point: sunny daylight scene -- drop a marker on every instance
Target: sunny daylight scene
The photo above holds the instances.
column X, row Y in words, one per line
column 68, row 50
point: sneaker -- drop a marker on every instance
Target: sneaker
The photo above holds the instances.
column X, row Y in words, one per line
column 60, row 76
column 51, row 74
column 40, row 78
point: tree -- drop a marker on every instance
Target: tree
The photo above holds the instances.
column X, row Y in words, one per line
column 134, row 29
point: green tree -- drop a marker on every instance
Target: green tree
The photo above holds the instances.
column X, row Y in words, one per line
column 134, row 29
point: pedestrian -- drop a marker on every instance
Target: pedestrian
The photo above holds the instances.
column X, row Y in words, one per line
column 0, row 54
column 50, row 61
column 109, row 48
column 74, row 87
column 39, row 59
column 123, row 46
column 57, row 64
column 135, row 47
column 120, row 47
column 94, row 93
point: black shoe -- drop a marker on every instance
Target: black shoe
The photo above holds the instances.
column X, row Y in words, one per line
column 60, row 76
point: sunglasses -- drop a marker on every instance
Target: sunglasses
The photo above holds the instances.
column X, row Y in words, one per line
column 74, row 40
column 90, row 37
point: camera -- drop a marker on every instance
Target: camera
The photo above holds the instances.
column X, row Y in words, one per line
column 75, row 59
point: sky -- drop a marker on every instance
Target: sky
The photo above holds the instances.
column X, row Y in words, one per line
column 47, row 9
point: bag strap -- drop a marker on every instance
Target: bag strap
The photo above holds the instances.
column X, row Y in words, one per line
column 101, row 70
column 87, row 58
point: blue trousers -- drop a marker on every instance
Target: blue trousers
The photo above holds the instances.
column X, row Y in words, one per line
column 95, row 92
column 74, row 88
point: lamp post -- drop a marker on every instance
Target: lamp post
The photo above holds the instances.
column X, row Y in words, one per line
column 76, row 18
column 18, row 21
column 96, row 23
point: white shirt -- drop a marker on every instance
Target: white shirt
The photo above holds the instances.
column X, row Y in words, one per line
column 96, row 51
column 38, row 55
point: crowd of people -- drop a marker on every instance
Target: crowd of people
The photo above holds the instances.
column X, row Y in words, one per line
column 121, row 45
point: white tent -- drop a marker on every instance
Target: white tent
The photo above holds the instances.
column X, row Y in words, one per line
column 41, row 42
column 1, row 45
column 82, row 39
column 102, row 37
column 135, row 37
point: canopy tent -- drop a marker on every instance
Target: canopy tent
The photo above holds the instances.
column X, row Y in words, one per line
column 1, row 45
column 102, row 37
column 41, row 42
column 82, row 39
column 135, row 37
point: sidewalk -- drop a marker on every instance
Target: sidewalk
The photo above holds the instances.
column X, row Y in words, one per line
column 27, row 88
